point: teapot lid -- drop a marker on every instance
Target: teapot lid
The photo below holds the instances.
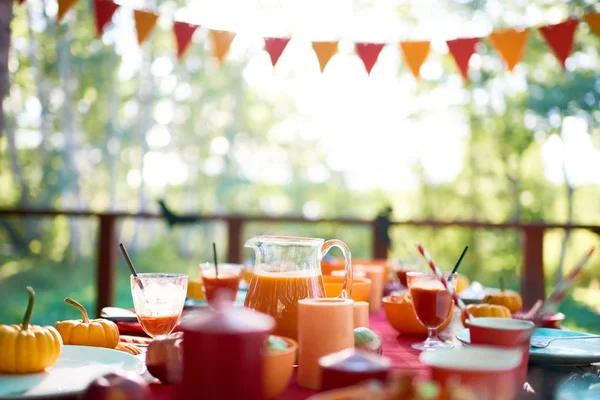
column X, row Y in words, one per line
column 353, row 360
column 226, row 319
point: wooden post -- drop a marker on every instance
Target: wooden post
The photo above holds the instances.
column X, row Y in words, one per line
column 234, row 240
column 106, row 261
column 532, row 272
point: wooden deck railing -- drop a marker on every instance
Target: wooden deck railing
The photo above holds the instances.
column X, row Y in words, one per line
column 532, row 269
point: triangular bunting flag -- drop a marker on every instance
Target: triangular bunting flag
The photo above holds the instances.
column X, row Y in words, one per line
column 221, row 40
column 63, row 7
column 415, row 54
column 275, row 46
column 593, row 20
column 560, row 38
column 368, row 53
column 144, row 23
column 104, row 10
column 21, row 1
column 324, row 52
column 183, row 34
column 510, row 43
column 462, row 50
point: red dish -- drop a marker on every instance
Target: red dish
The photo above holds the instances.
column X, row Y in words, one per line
column 551, row 320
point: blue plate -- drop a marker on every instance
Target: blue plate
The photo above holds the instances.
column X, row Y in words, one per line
column 560, row 352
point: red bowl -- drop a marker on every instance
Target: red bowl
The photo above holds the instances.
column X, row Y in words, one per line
column 551, row 320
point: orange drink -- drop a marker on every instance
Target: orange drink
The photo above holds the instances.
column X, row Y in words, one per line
column 156, row 326
column 247, row 274
column 227, row 281
column 277, row 294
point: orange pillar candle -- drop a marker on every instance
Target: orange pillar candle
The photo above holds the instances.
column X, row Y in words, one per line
column 325, row 326
column 361, row 314
column 376, row 274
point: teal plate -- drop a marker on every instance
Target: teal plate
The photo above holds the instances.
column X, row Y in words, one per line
column 559, row 352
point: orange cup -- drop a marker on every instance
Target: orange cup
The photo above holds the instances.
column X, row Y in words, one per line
column 375, row 274
column 505, row 333
column 487, row 371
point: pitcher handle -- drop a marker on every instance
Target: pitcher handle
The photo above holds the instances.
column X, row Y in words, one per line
column 346, row 292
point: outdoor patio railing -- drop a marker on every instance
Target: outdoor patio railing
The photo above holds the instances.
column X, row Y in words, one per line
column 532, row 234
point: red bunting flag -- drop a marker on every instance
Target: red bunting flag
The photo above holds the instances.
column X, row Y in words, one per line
column 593, row 20
column 368, row 53
column 462, row 50
column 275, row 46
column 183, row 35
column 104, row 10
column 560, row 38
column 21, row 1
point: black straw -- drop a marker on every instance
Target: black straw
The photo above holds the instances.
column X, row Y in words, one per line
column 215, row 258
column 130, row 264
column 458, row 263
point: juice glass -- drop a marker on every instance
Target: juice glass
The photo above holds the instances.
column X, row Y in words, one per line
column 226, row 283
column 433, row 305
column 158, row 301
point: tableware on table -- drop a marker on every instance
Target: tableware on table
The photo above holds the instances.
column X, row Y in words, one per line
column 324, row 327
column 569, row 352
column 164, row 358
column 376, row 274
column 223, row 353
column 159, row 305
column 400, row 313
column 227, row 281
column 361, row 287
column 87, row 363
column 117, row 314
column 351, row 366
column 278, row 368
column 488, row 371
column 551, row 320
column 543, row 343
column 473, row 294
column 130, row 264
column 289, row 269
column 433, row 305
column 507, row 334
column 360, row 314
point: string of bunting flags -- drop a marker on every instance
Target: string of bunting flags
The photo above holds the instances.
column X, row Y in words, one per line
column 510, row 43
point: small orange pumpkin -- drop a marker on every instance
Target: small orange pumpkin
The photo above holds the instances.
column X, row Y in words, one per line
column 486, row 310
column 508, row 298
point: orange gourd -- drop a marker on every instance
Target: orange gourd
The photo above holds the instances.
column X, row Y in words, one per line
column 400, row 313
column 86, row 332
column 508, row 298
column 486, row 310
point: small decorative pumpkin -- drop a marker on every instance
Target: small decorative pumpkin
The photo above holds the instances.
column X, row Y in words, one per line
column 164, row 358
column 509, row 298
column 28, row 348
column 486, row 310
column 97, row 332
column 462, row 282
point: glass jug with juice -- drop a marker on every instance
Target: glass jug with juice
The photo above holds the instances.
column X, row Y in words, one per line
column 288, row 269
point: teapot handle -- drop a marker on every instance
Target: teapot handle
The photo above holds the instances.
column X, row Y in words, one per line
column 346, row 292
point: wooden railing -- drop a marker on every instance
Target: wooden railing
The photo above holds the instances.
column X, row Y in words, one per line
column 532, row 269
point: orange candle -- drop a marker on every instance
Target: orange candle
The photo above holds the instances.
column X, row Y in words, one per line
column 361, row 314
column 376, row 274
column 325, row 326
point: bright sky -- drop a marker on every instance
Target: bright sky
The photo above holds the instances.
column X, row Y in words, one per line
column 364, row 123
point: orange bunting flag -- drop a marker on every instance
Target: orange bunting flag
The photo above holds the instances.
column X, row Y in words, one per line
column 462, row 50
column 510, row 44
column 104, row 11
column 324, row 52
column 275, row 46
column 368, row 53
column 221, row 40
column 560, row 38
column 144, row 23
column 415, row 54
column 183, row 35
column 63, row 7
column 593, row 20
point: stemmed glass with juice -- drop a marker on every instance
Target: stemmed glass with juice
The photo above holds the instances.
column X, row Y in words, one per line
column 433, row 305
column 226, row 282
column 158, row 301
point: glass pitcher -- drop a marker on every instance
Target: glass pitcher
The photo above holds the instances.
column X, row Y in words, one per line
column 288, row 269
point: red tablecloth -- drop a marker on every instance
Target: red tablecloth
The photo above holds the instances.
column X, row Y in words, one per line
column 395, row 347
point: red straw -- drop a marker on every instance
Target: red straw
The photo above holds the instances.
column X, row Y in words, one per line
column 459, row 303
column 563, row 286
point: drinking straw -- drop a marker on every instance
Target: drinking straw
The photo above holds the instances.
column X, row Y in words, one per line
column 459, row 303
column 130, row 264
column 564, row 285
column 215, row 258
column 458, row 263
